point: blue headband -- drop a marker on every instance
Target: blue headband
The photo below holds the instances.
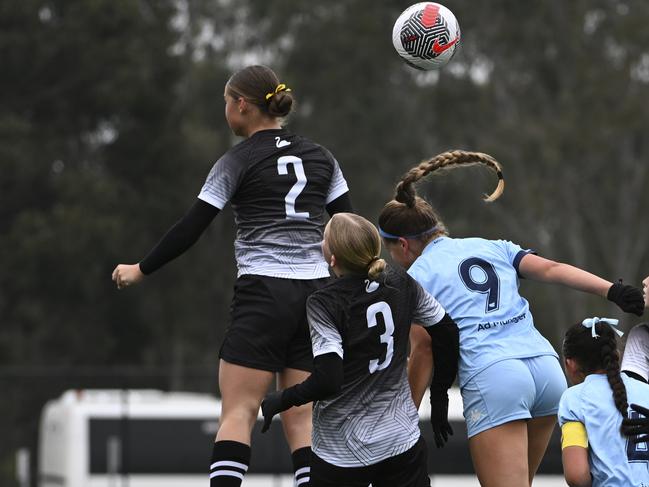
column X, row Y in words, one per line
column 591, row 322
column 385, row 234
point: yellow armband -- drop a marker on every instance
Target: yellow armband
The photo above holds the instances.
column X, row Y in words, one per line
column 574, row 434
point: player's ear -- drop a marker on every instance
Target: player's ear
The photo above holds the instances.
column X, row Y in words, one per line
column 242, row 104
column 404, row 244
column 332, row 261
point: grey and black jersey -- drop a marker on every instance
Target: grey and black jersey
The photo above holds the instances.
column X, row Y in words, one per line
column 636, row 351
column 367, row 323
column 278, row 185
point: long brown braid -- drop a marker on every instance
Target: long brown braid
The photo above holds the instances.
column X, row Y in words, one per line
column 611, row 363
column 408, row 214
column 597, row 353
column 405, row 190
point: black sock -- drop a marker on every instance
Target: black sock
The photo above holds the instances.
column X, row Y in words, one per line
column 302, row 466
column 230, row 460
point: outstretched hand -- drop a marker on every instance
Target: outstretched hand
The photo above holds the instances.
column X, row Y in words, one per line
column 270, row 406
column 127, row 274
column 637, row 426
column 439, row 418
column 629, row 298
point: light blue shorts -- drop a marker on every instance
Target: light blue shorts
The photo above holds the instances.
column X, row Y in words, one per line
column 513, row 389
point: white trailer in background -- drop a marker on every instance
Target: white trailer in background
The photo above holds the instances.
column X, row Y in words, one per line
column 150, row 438
column 120, row 438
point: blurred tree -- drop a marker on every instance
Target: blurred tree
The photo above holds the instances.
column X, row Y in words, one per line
column 111, row 115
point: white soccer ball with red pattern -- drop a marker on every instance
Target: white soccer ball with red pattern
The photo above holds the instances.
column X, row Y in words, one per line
column 426, row 35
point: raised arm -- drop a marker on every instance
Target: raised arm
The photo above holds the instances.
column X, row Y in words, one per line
column 342, row 204
column 175, row 242
column 544, row 270
column 628, row 298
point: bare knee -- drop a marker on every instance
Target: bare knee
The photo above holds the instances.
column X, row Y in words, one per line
column 297, row 426
column 237, row 423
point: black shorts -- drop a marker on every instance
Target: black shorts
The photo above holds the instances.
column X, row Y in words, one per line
column 409, row 469
column 268, row 328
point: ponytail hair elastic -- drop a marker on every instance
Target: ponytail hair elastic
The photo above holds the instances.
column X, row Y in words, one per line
column 591, row 322
column 280, row 87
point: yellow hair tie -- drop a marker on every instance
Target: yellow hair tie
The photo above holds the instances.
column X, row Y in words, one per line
column 280, row 87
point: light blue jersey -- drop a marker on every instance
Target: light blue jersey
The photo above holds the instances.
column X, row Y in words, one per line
column 614, row 461
column 476, row 281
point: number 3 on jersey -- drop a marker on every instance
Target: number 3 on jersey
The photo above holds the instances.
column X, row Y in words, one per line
column 296, row 189
column 382, row 308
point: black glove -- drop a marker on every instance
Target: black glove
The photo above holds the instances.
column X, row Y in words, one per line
column 628, row 298
column 270, row 406
column 637, row 426
column 439, row 417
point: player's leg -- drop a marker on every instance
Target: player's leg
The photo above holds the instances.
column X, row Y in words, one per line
column 248, row 364
column 296, row 422
column 539, row 432
column 297, row 364
column 497, row 404
column 242, row 390
column 550, row 384
column 500, row 455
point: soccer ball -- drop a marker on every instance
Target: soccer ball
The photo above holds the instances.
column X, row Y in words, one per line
column 426, row 35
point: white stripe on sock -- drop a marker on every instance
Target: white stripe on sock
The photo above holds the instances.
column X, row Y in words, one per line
column 302, row 480
column 302, row 470
column 227, row 473
column 227, row 463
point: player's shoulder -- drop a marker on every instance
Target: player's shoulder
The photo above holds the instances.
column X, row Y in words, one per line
column 586, row 394
column 238, row 154
column 573, row 393
column 346, row 289
column 477, row 243
column 570, row 404
column 332, row 289
column 273, row 143
column 397, row 276
column 498, row 249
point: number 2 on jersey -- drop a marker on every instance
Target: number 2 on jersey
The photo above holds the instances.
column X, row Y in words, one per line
column 382, row 308
column 296, row 189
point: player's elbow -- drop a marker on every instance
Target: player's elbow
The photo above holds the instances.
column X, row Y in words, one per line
column 578, row 481
column 576, row 468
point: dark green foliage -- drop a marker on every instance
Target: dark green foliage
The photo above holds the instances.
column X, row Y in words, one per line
column 111, row 115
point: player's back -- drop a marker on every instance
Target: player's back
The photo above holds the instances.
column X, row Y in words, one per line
column 476, row 281
column 615, row 461
column 279, row 185
column 373, row 417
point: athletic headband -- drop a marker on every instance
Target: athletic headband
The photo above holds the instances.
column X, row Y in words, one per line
column 591, row 322
column 280, row 87
column 385, row 234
